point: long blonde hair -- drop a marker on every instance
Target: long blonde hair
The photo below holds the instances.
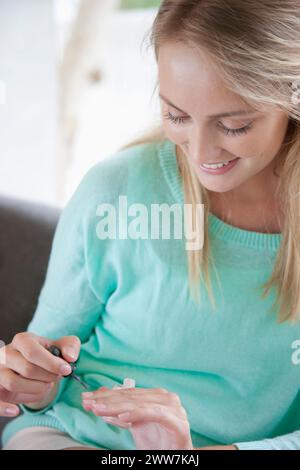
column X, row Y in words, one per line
column 255, row 46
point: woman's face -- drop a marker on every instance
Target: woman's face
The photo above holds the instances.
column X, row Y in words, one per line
column 189, row 81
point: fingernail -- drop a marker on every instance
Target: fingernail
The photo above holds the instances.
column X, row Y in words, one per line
column 124, row 416
column 89, row 402
column 65, row 369
column 100, row 406
column 71, row 353
column 10, row 411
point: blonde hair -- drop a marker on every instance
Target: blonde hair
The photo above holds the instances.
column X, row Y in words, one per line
column 255, row 46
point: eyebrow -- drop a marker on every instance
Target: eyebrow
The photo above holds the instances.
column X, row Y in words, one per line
column 227, row 114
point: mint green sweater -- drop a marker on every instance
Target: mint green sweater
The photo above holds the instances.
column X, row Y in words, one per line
column 128, row 301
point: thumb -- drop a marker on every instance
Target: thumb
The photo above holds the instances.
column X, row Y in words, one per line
column 70, row 347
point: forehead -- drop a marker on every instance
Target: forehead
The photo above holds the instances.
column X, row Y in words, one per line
column 187, row 76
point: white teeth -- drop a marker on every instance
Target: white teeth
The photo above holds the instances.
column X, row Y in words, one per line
column 215, row 165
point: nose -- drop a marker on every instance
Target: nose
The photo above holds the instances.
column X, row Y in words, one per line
column 203, row 147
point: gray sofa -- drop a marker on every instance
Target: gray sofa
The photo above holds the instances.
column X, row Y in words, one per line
column 26, row 233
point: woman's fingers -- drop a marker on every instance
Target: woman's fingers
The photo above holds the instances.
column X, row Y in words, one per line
column 13, row 382
column 17, row 398
column 88, row 405
column 104, row 392
column 28, row 371
column 35, row 350
column 120, row 402
column 70, row 347
column 105, row 402
column 144, row 405
column 155, row 417
column 110, row 410
column 110, row 403
column 19, row 364
column 136, row 396
column 114, row 409
column 9, row 410
column 116, row 422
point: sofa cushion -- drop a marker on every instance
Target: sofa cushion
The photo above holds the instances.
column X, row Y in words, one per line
column 26, row 233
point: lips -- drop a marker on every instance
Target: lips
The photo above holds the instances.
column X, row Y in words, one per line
column 220, row 170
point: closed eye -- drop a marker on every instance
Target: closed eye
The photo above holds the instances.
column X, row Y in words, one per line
column 234, row 132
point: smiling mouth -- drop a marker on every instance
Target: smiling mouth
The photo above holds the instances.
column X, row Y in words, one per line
column 217, row 164
column 221, row 169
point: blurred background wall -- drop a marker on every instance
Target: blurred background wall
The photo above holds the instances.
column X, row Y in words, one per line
column 79, row 82
column 28, row 115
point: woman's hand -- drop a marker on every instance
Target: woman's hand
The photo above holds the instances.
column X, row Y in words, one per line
column 156, row 417
column 29, row 373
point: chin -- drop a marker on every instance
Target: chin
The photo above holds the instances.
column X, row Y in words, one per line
column 217, row 186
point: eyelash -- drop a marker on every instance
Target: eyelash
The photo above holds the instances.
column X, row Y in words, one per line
column 234, row 132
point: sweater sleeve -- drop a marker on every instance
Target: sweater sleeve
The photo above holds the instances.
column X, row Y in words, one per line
column 68, row 304
column 286, row 442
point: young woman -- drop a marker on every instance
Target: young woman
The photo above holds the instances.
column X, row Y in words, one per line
column 210, row 335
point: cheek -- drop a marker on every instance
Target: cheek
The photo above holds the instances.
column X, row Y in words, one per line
column 269, row 138
column 246, row 146
column 275, row 141
column 242, row 147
